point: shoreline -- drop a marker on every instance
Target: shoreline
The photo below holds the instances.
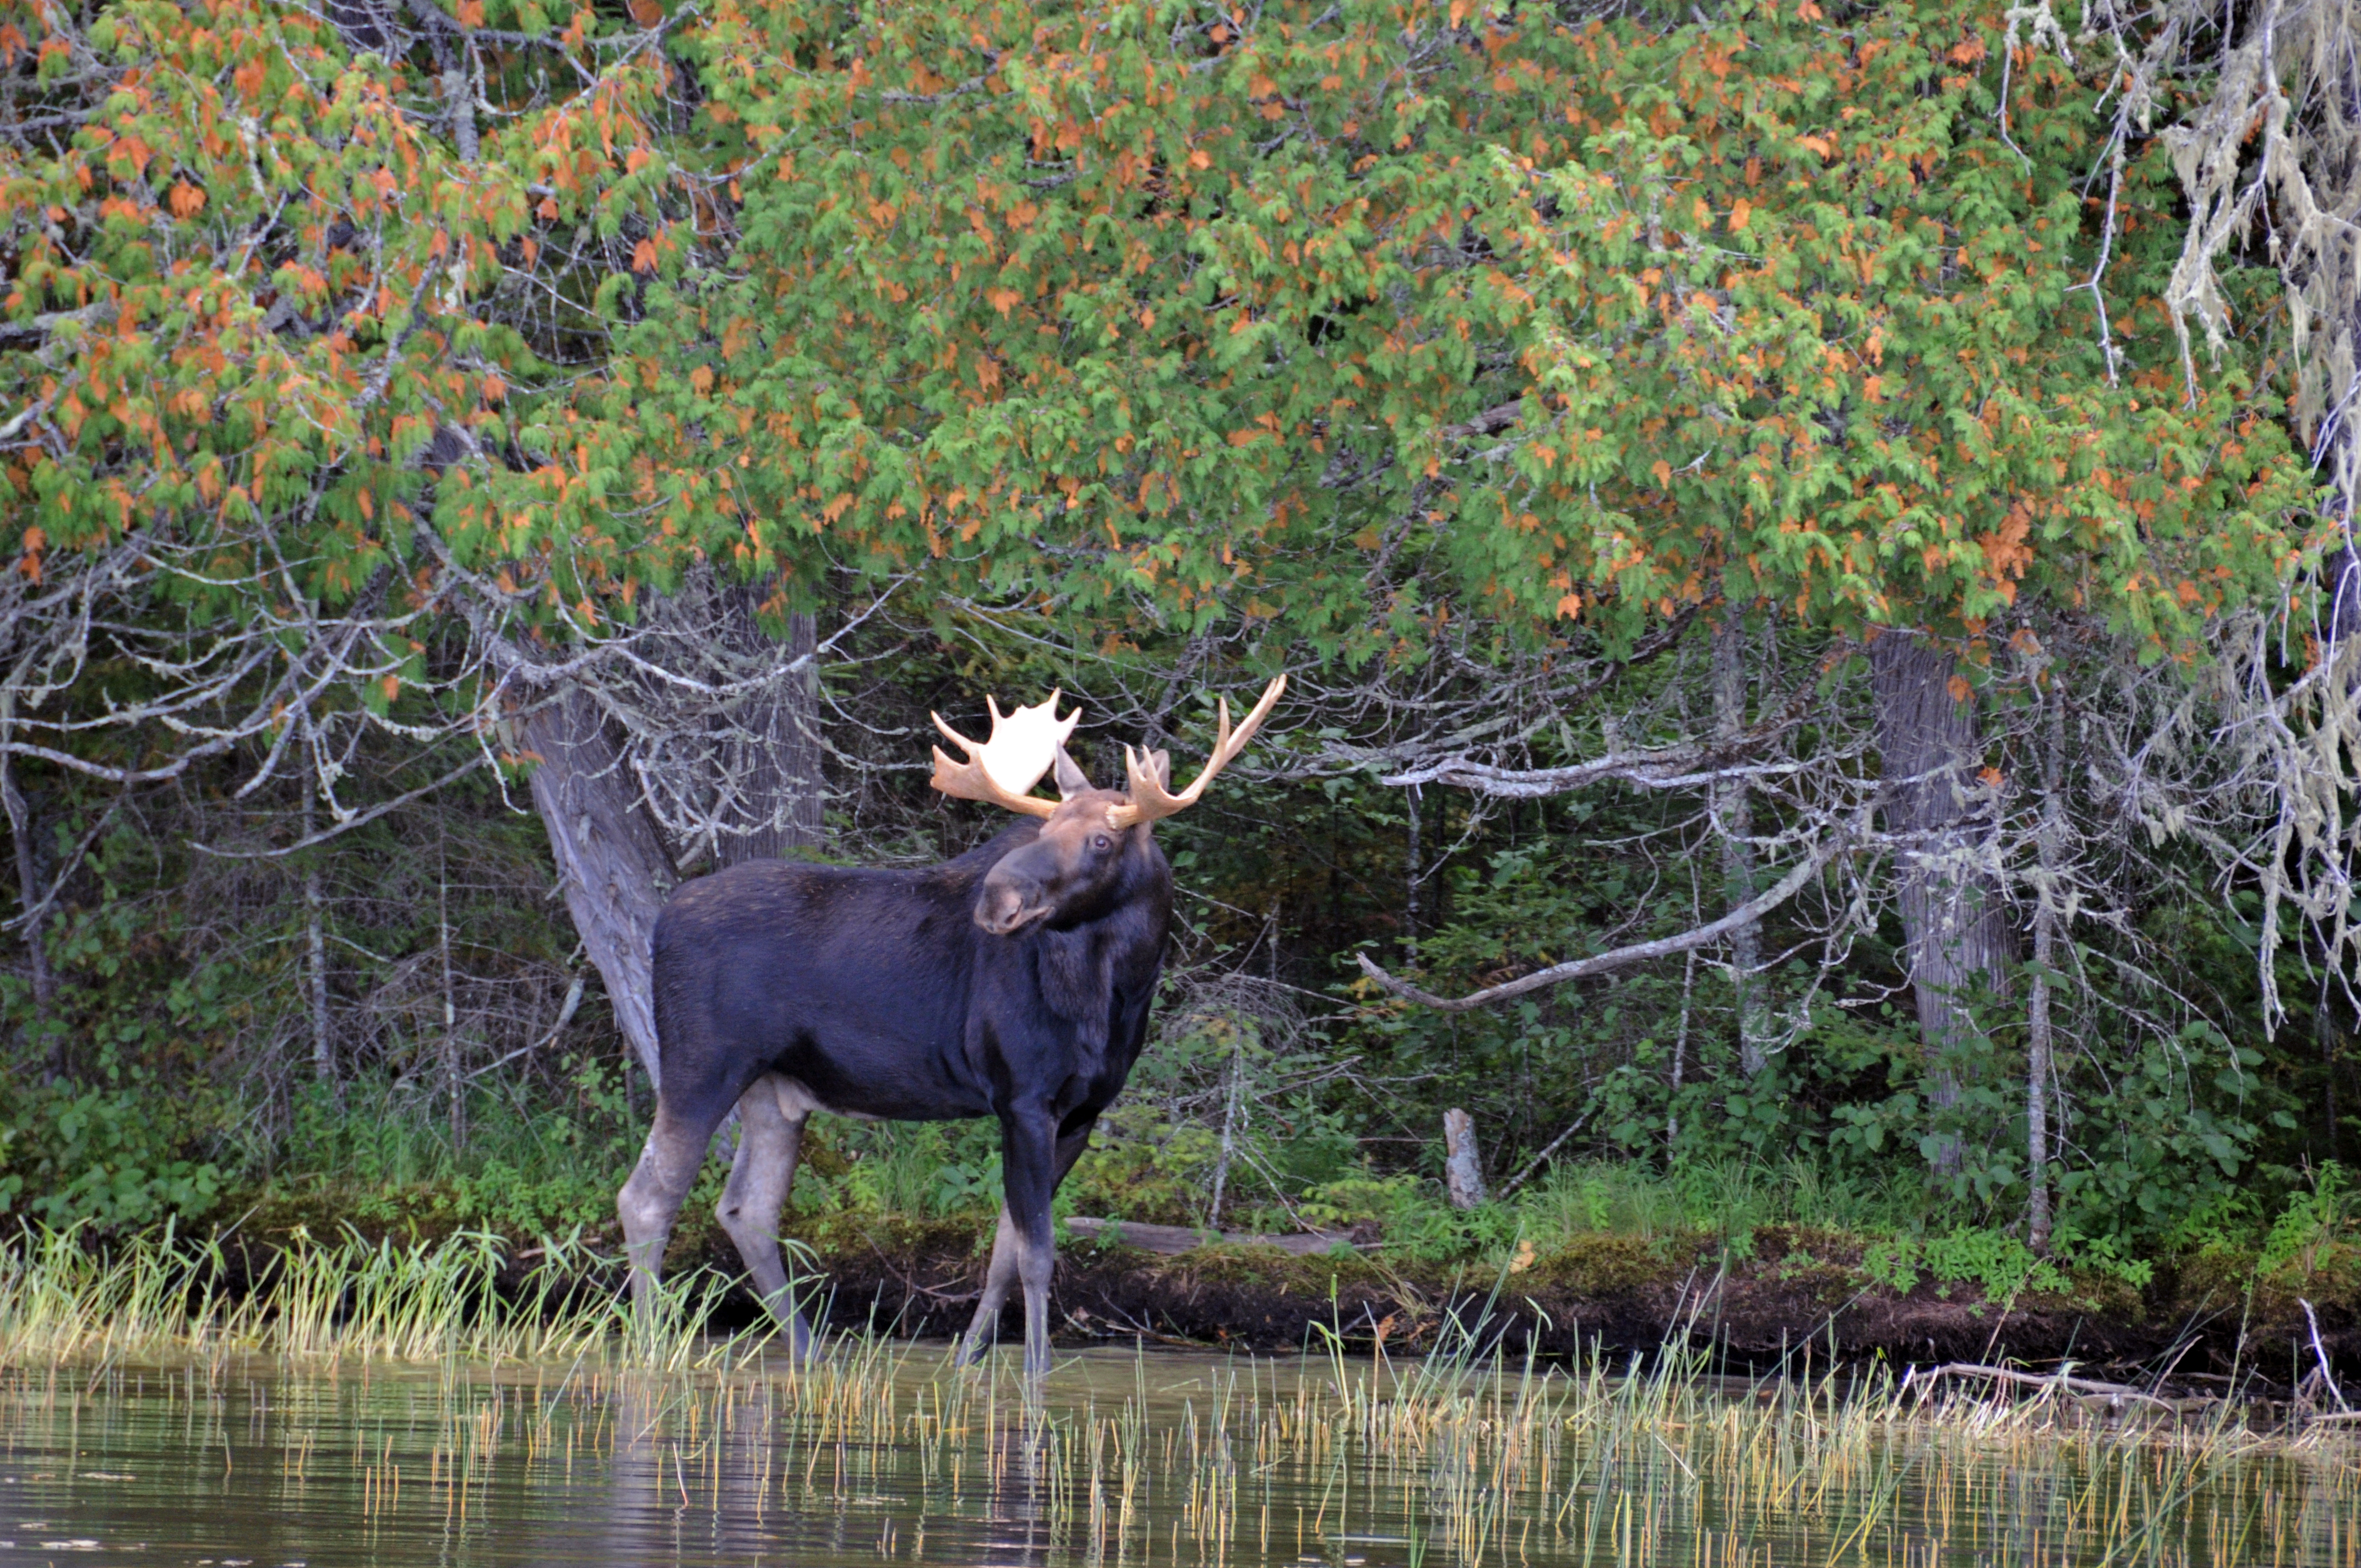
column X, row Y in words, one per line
column 1792, row 1296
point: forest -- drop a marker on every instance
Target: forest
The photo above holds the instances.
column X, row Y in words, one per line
column 1809, row 543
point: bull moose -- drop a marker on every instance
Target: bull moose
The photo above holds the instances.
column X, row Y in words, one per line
column 1012, row 981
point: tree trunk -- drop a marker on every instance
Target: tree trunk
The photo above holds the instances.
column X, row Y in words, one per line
column 613, row 863
column 1409, row 880
column 1734, row 814
column 454, row 1084
column 1463, row 1168
column 610, row 863
column 778, row 766
column 2047, row 917
column 324, row 1050
column 28, row 887
column 1955, row 932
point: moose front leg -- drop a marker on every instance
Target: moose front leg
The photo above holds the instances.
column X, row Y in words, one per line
column 1034, row 1162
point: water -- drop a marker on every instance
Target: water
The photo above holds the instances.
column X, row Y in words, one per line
column 885, row 1456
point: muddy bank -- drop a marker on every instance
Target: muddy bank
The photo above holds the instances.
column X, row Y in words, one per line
column 1601, row 1292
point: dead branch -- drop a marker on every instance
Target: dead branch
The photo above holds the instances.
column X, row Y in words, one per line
column 1703, row 935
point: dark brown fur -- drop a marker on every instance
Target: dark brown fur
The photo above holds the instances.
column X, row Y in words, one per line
column 1013, row 981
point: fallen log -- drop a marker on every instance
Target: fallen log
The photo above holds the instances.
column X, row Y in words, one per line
column 1172, row 1240
column 2052, row 1381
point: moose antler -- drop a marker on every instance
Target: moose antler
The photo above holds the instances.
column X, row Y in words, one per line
column 1003, row 770
column 1152, row 801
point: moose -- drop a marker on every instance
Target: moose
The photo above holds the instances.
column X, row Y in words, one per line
column 1012, row 981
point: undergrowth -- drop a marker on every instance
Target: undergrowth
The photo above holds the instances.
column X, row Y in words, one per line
column 391, row 1161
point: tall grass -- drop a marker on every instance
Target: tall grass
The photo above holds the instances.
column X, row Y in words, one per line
column 1455, row 1456
column 162, row 1295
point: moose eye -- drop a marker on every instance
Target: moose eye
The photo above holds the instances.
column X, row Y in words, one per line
column 1102, row 842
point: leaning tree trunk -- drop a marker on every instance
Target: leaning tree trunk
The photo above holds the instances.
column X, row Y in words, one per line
column 1955, row 931
column 610, row 861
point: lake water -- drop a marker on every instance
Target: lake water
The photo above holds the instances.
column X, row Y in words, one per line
column 885, row 1455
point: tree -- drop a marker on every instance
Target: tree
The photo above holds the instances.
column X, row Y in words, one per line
column 1173, row 321
column 296, row 306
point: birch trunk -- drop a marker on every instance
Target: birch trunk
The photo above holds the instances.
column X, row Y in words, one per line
column 1955, row 933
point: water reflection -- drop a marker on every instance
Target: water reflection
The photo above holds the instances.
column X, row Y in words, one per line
column 887, row 1455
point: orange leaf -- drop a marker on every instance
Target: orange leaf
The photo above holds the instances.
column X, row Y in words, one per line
column 471, row 13
column 185, row 200
column 1003, row 299
column 1663, row 470
column 643, row 256
column 1959, row 688
column 1740, row 216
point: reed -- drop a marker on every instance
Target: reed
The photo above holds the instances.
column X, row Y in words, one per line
column 1456, row 1456
column 161, row 1295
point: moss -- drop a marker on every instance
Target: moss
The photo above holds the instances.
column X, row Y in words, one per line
column 1273, row 1269
column 1599, row 1266
column 838, row 1233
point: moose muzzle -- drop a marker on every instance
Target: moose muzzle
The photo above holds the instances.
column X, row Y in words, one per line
column 1008, row 904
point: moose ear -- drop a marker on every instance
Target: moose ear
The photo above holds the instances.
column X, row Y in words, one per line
column 1160, row 762
column 1070, row 781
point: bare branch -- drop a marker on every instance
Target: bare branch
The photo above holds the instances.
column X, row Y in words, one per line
column 1703, row 935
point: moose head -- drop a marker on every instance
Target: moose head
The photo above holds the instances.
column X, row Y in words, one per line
column 1092, row 840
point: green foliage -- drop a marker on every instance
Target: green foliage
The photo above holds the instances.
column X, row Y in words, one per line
column 2311, row 1221
column 388, row 1160
column 117, row 1158
column 922, row 1170
column 1314, row 336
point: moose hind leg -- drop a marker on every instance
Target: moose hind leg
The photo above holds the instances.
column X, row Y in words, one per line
column 998, row 1276
column 769, row 1143
column 650, row 1200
